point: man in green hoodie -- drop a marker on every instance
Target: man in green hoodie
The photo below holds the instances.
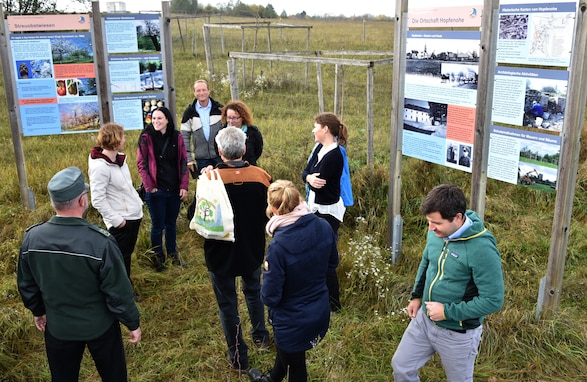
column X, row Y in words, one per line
column 71, row 276
column 459, row 281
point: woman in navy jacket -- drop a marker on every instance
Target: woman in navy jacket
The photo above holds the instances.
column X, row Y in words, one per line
column 302, row 252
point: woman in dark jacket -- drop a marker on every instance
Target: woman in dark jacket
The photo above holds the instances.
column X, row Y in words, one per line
column 302, row 252
column 162, row 164
column 237, row 114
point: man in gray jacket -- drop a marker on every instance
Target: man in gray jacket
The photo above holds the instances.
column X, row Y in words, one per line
column 201, row 121
column 71, row 276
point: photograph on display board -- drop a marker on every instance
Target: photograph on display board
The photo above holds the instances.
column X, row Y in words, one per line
column 149, row 35
column 151, row 75
column 443, row 58
column 79, row 116
column 465, row 155
column 425, row 117
column 72, row 49
column 544, row 104
column 452, row 152
column 538, row 165
column 150, row 105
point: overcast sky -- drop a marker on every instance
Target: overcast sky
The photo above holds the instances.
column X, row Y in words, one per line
column 312, row 7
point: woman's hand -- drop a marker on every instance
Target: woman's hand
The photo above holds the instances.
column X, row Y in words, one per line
column 183, row 194
column 314, row 181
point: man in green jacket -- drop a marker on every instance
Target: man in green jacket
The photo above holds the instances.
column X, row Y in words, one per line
column 459, row 281
column 71, row 276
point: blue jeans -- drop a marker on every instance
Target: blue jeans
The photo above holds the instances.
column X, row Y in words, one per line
column 164, row 209
column 226, row 297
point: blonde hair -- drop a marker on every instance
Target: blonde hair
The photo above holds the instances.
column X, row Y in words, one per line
column 283, row 196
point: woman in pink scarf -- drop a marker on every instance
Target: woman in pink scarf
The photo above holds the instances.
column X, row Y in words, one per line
column 294, row 289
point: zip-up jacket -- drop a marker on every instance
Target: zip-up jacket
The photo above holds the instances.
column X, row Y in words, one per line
column 147, row 162
column 193, row 137
column 112, row 190
column 464, row 274
column 72, row 271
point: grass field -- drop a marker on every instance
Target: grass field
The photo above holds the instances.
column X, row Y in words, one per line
column 182, row 337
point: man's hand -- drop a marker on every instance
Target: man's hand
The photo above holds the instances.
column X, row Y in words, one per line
column 135, row 336
column 41, row 322
column 435, row 311
column 413, row 307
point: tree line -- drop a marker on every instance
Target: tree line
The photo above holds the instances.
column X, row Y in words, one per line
column 190, row 7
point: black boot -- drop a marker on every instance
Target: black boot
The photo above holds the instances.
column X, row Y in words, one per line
column 159, row 262
column 176, row 260
column 256, row 375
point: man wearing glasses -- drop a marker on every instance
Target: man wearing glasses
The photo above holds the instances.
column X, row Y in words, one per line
column 71, row 276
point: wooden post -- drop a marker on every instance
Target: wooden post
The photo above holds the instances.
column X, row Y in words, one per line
column 337, row 90
column 320, row 87
column 397, row 122
column 180, row 34
column 208, row 49
column 101, row 64
column 307, row 50
column 549, row 300
column 484, row 105
column 269, row 46
column 222, row 38
column 26, row 195
column 370, row 147
column 244, row 61
column 364, row 30
column 195, row 40
column 168, row 56
column 233, row 78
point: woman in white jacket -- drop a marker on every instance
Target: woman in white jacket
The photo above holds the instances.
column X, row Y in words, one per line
column 112, row 190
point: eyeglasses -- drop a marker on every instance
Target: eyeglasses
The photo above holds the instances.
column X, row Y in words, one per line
column 233, row 118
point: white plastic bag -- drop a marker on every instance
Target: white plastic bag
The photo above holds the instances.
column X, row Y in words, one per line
column 213, row 216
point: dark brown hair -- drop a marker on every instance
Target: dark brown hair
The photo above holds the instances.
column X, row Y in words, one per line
column 335, row 126
column 447, row 199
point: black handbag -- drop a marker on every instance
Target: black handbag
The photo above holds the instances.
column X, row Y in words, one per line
column 141, row 191
column 192, row 208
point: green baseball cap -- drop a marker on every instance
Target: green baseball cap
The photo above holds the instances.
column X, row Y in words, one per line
column 67, row 184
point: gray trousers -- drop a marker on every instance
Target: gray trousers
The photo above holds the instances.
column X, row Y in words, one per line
column 423, row 338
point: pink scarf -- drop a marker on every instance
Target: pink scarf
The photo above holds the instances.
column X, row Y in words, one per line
column 277, row 221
